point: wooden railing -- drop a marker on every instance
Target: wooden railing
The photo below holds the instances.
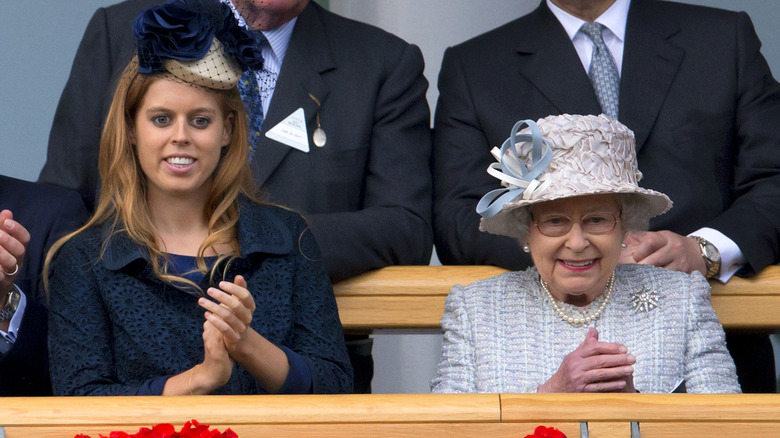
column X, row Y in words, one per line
column 410, row 415
column 412, row 297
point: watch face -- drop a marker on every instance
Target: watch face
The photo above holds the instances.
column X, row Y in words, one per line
column 709, row 251
column 712, row 253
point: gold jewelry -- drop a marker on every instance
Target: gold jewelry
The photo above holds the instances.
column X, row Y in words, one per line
column 577, row 320
column 711, row 256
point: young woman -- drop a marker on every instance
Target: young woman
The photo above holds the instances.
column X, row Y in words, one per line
column 181, row 282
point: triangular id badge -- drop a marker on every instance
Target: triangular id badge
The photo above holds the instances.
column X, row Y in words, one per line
column 291, row 131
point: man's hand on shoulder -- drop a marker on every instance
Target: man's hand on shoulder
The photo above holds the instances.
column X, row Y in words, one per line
column 665, row 249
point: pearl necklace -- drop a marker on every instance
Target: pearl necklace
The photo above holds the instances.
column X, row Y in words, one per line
column 588, row 319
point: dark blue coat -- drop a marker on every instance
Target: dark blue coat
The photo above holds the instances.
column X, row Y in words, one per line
column 114, row 325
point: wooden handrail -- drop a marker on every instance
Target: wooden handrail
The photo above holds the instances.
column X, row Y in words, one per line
column 641, row 407
column 424, row 415
column 237, row 409
column 412, row 297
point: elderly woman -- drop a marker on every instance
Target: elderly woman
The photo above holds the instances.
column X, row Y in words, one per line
column 577, row 321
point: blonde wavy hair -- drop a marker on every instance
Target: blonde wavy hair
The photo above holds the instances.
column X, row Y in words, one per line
column 122, row 203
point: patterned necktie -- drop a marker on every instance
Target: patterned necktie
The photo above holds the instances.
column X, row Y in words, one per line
column 251, row 95
column 603, row 71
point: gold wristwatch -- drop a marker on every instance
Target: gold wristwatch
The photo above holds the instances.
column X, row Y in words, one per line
column 711, row 256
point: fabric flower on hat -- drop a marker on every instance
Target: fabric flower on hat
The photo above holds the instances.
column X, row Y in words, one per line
column 175, row 30
column 184, row 30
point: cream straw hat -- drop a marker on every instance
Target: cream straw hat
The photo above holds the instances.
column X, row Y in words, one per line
column 560, row 157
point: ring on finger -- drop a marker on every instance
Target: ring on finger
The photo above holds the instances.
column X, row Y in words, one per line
column 16, row 269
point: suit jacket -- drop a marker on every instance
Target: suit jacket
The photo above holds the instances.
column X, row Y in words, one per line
column 694, row 88
column 503, row 335
column 47, row 213
column 366, row 193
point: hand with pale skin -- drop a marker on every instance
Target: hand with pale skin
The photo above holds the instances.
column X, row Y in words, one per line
column 233, row 312
column 231, row 315
column 594, row 366
column 13, row 245
column 205, row 377
column 664, row 249
column 217, row 364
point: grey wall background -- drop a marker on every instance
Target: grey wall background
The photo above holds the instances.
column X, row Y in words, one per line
column 38, row 39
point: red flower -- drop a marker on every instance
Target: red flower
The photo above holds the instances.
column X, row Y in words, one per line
column 191, row 429
column 546, row 432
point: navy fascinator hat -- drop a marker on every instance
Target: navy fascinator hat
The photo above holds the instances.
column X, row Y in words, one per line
column 197, row 41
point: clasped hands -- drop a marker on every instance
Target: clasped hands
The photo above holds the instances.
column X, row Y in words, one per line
column 225, row 331
column 595, row 366
column 664, row 249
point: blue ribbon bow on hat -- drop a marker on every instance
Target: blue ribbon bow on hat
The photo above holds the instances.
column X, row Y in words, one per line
column 517, row 179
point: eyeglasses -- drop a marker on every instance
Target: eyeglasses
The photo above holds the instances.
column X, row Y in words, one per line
column 558, row 225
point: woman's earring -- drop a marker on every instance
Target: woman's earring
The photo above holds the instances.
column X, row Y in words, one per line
column 623, row 245
column 526, row 249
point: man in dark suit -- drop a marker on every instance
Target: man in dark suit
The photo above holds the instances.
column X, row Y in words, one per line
column 695, row 90
column 366, row 190
column 33, row 217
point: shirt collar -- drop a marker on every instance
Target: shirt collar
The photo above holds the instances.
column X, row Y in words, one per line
column 278, row 39
column 614, row 19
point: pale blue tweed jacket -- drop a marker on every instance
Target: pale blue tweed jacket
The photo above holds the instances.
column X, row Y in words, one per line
column 503, row 335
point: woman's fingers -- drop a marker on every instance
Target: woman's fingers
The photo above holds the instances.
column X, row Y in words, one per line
column 231, row 304
column 612, row 386
column 595, row 348
column 238, row 289
column 607, row 374
column 224, row 320
column 603, row 361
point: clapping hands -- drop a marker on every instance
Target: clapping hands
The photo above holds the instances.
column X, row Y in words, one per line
column 232, row 312
column 229, row 319
column 224, row 331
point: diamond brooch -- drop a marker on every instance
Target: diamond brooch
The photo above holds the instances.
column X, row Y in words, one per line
column 644, row 301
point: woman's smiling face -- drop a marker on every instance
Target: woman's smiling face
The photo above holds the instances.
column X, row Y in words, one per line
column 178, row 133
column 578, row 264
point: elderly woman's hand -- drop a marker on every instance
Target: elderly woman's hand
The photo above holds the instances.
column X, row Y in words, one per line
column 594, row 367
column 665, row 249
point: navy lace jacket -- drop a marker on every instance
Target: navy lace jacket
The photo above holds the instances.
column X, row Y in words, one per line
column 113, row 326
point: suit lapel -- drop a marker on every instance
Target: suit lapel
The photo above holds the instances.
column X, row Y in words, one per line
column 650, row 63
column 550, row 63
column 307, row 56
